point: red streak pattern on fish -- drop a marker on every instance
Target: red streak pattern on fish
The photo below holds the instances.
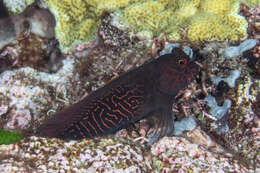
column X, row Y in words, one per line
column 141, row 92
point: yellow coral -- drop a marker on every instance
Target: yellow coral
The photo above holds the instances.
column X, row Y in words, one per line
column 85, row 29
column 161, row 15
column 216, row 6
column 165, row 2
column 70, row 15
column 150, row 15
column 174, row 36
column 204, row 19
column 189, row 9
column 209, row 26
column 251, row 3
column 102, row 5
column 236, row 22
column 77, row 20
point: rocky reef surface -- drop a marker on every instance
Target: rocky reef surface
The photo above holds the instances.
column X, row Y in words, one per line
column 37, row 79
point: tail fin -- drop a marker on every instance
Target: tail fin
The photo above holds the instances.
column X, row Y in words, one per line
column 60, row 122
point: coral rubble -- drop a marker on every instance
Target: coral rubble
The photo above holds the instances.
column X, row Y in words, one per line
column 26, row 94
column 180, row 155
column 110, row 154
column 52, row 155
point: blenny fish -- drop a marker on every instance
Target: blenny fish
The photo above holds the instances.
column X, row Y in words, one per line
column 141, row 92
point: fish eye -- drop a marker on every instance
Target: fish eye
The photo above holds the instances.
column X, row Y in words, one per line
column 182, row 61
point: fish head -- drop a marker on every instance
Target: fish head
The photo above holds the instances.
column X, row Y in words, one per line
column 176, row 71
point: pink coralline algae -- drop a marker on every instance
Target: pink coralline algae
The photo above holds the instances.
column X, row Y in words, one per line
column 180, row 155
column 52, row 155
column 25, row 94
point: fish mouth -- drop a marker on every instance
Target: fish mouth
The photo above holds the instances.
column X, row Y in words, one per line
column 193, row 71
column 194, row 67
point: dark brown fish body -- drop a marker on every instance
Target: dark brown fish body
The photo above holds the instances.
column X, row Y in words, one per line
column 129, row 98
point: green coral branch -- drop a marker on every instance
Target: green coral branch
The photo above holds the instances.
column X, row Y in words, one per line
column 8, row 137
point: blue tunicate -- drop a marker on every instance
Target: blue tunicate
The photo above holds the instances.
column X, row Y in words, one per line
column 234, row 51
column 230, row 80
column 188, row 51
column 217, row 111
column 231, row 52
column 168, row 49
column 186, row 124
column 222, row 128
column 247, row 45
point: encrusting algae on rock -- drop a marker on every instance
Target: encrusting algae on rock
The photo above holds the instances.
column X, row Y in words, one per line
column 77, row 21
column 8, row 137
